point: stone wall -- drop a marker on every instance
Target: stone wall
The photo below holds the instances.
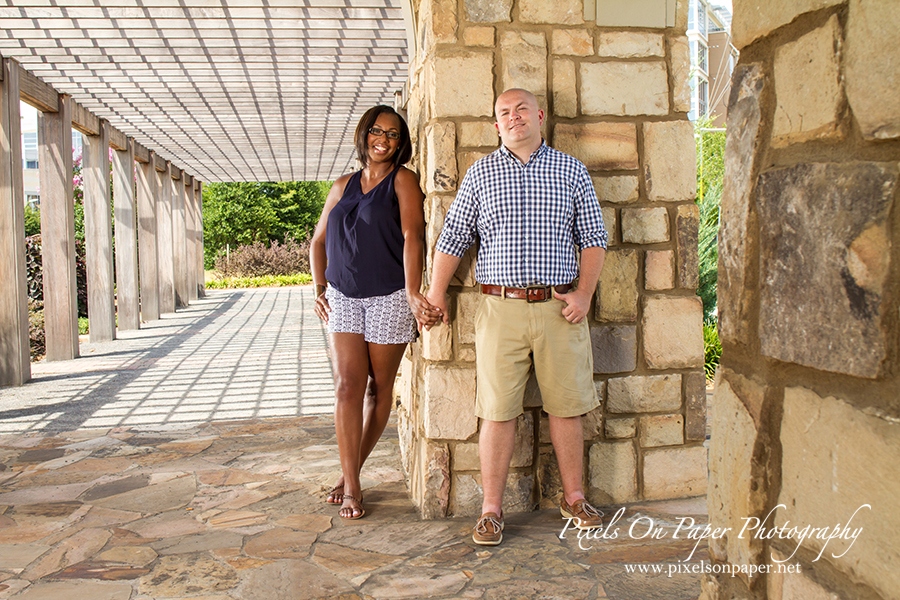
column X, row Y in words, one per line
column 617, row 99
column 806, row 409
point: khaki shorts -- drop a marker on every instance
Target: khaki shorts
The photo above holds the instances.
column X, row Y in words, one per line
column 511, row 336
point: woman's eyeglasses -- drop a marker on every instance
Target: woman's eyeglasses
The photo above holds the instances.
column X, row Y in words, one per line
column 391, row 135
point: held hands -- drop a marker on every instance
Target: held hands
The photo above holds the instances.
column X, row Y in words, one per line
column 426, row 314
column 578, row 304
column 439, row 305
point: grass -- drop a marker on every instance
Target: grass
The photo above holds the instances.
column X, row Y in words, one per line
column 256, row 282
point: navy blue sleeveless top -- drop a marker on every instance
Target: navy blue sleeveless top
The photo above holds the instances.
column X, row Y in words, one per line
column 364, row 240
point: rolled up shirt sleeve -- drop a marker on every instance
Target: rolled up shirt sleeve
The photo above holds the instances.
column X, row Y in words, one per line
column 459, row 229
column 590, row 231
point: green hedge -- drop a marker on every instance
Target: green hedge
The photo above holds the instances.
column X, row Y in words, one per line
column 263, row 281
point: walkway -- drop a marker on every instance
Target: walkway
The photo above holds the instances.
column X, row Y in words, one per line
column 189, row 460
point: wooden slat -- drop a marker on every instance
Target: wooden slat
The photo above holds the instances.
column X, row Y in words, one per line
column 37, row 93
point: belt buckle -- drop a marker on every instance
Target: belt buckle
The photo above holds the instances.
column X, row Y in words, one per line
column 529, row 288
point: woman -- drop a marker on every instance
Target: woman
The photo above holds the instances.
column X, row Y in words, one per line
column 366, row 258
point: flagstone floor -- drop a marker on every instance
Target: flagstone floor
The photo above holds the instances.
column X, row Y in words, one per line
column 133, row 474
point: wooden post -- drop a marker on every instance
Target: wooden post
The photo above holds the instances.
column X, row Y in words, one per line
column 147, row 195
column 127, row 298
column 98, row 236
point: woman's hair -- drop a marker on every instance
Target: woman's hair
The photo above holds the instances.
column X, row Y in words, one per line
column 404, row 150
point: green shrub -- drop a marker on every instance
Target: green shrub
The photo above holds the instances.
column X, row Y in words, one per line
column 32, row 221
column 710, row 176
column 262, row 281
column 712, row 348
column 35, row 278
column 36, row 330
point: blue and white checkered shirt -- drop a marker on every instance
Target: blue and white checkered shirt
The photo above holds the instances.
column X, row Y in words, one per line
column 528, row 218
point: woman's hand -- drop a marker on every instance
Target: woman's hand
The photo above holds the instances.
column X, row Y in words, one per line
column 322, row 307
column 425, row 313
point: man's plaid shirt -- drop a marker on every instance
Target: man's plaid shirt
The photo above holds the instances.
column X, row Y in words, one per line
column 528, row 218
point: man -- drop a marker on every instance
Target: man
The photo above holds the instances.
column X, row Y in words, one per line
column 530, row 206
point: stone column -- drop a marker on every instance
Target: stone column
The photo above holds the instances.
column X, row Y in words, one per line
column 98, row 236
column 179, row 240
column 190, row 236
column 147, row 197
column 127, row 294
column 198, row 239
column 806, row 423
column 58, row 232
column 615, row 99
column 15, row 363
column 164, row 244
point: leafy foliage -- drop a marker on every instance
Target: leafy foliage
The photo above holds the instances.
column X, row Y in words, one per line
column 257, row 259
column 36, row 329
column 257, row 282
column 712, row 349
column 35, row 276
column 710, row 175
column 32, row 221
column 240, row 214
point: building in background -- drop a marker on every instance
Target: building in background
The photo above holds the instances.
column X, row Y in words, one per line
column 712, row 60
column 30, row 160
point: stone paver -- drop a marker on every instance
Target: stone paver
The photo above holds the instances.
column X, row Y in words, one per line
column 161, row 503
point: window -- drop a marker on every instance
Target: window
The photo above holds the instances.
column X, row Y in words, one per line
column 31, row 164
column 703, row 58
column 692, row 15
column 702, row 19
column 703, row 97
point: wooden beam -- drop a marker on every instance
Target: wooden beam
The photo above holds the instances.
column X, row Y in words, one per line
column 141, row 154
column 176, row 173
column 160, row 163
column 84, row 120
column 37, row 93
column 117, row 139
column 188, row 180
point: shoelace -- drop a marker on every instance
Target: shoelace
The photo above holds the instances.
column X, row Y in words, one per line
column 481, row 527
column 587, row 508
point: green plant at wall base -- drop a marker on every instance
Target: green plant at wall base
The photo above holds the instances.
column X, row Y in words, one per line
column 712, row 349
column 263, row 281
column 83, row 326
column 710, row 176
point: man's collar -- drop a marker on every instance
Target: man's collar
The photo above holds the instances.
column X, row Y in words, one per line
column 537, row 153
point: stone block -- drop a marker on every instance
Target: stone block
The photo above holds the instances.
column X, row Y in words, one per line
column 687, row 229
column 624, row 88
column 600, row 146
column 565, row 104
column 611, row 224
column 617, row 289
column 476, row 133
column 475, row 98
column 644, row 394
column 544, row 429
column 612, row 467
column 467, row 159
column 466, row 494
column 592, row 422
column 870, row 60
column 694, row 406
column 737, row 486
column 488, row 11
column 670, row 161
column 673, row 332
column 465, row 354
column 571, row 42
column 824, row 261
column 807, row 87
column 679, row 49
column 753, row 20
column 674, row 473
column 736, row 245
column 619, row 429
column 440, row 21
column 465, row 272
column 465, row 457
column 659, row 270
column 835, row 459
column 618, row 189
column 614, row 348
column 751, row 393
column 440, row 139
column 449, row 403
column 467, row 305
column 524, row 61
column 645, row 225
column 437, row 343
column 479, row 36
column 549, row 479
column 561, row 12
column 630, row 44
column 662, row 430
column 436, row 484
column 532, row 397
column 523, row 454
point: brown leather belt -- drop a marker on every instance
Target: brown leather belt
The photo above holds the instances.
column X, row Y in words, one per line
column 532, row 293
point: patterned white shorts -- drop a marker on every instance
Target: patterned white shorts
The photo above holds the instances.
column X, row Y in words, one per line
column 380, row 319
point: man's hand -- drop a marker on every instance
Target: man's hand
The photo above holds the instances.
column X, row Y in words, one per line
column 578, row 303
column 438, row 301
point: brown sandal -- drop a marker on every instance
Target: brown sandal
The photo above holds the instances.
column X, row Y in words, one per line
column 352, row 510
column 334, row 496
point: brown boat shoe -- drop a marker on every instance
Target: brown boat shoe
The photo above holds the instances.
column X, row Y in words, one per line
column 583, row 514
column 488, row 530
